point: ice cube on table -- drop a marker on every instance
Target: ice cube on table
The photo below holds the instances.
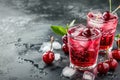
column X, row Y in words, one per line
column 88, row 76
column 57, row 56
column 46, row 46
column 68, row 72
column 56, row 45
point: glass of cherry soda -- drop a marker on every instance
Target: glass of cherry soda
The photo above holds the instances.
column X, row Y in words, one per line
column 83, row 43
column 107, row 22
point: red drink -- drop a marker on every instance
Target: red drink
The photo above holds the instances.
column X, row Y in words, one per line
column 107, row 22
column 83, row 46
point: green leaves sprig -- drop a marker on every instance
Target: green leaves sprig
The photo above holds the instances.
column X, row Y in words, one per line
column 61, row 30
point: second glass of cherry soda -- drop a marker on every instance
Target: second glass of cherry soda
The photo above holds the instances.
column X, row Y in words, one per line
column 107, row 22
column 83, row 43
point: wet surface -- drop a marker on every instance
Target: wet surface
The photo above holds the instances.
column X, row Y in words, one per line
column 25, row 25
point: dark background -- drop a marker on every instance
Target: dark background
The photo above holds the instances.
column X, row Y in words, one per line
column 25, row 25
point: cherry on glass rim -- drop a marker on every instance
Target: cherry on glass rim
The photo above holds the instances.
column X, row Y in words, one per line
column 106, row 15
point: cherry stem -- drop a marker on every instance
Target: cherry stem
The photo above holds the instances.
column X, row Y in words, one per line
column 110, row 5
column 107, row 52
column 118, row 41
column 51, row 41
column 116, row 9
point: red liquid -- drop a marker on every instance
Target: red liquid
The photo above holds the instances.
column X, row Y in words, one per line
column 108, row 28
column 106, row 41
column 83, row 46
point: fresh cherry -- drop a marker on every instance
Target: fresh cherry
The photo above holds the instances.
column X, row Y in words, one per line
column 65, row 48
column 87, row 32
column 106, row 15
column 90, row 15
column 112, row 63
column 103, row 68
column 64, row 39
column 48, row 57
column 116, row 54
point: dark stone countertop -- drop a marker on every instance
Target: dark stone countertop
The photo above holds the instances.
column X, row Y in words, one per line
column 25, row 25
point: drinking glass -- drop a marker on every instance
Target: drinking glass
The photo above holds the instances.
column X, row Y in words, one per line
column 83, row 43
column 107, row 24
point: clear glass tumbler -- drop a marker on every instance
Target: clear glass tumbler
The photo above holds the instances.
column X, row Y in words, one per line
column 107, row 22
column 83, row 43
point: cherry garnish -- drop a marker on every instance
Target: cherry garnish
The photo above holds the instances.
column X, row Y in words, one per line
column 103, row 68
column 48, row 57
column 90, row 15
column 112, row 63
column 106, row 15
column 116, row 54
column 65, row 48
column 87, row 32
column 64, row 39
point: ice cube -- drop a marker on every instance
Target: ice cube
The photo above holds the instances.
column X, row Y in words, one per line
column 56, row 45
column 46, row 46
column 84, row 44
column 57, row 56
column 68, row 72
column 88, row 76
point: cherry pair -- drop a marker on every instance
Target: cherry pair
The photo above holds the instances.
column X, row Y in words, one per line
column 104, row 67
column 65, row 44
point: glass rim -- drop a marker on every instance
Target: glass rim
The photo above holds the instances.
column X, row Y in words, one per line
column 80, row 38
column 100, row 22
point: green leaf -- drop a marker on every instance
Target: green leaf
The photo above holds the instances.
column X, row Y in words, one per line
column 60, row 30
column 117, row 36
column 72, row 23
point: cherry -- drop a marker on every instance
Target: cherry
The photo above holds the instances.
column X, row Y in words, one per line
column 65, row 48
column 106, row 15
column 103, row 68
column 90, row 15
column 112, row 63
column 64, row 39
column 116, row 54
column 48, row 57
column 87, row 32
